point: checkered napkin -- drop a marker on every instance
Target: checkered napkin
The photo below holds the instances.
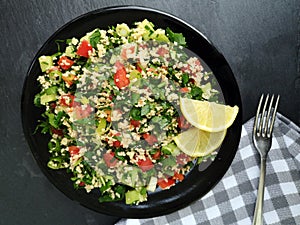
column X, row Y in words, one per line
column 232, row 200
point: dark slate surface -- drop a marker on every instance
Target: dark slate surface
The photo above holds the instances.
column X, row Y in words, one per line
column 260, row 40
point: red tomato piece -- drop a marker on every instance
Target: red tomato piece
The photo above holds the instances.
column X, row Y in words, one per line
column 184, row 90
column 135, row 123
column 84, row 49
column 119, row 65
column 117, row 144
column 182, row 123
column 73, row 150
column 178, row 176
column 65, row 63
column 81, row 184
column 162, row 51
column 109, row 159
column 150, row 138
column 52, row 105
column 69, row 79
column 67, row 100
column 126, row 51
column 182, row 159
column 58, row 132
column 156, row 155
column 146, row 164
column 192, row 80
column 120, row 79
column 165, row 183
column 81, row 113
column 139, row 67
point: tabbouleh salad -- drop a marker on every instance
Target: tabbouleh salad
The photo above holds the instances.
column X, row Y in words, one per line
column 111, row 103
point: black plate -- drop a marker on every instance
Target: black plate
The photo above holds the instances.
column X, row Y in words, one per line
column 197, row 183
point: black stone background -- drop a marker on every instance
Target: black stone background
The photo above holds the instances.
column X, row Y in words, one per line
column 259, row 38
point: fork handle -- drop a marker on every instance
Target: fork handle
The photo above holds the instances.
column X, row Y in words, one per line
column 258, row 213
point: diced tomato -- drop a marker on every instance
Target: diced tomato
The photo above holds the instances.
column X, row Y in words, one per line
column 84, row 49
column 117, row 134
column 146, row 164
column 178, row 176
column 111, row 97
column 184, row 90
column 65, row 63
column 186, row 69
column 197, row 62
column 120, row 78
column 162, row 51
column 67, row 100
column 81, row 184
column 117, row 144
column 108, row 113
column 192, row 80
column 182, row 123
column 139, row 67
column 109, row 159
column 156, row 155
column 73, row 150
column 52, row 105
column 182, row 159
column 126, row 51
column 76, row 104
column 58, row 132
column 135, row 123
column 150, row 138
column 165, row 183
column 69, row 79
column 81, row 113
column 119, row 65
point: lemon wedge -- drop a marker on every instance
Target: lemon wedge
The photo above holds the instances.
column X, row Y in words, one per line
column 195, row 142
column 208, row 116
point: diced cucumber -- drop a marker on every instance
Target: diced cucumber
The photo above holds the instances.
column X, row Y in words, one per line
column 113, row 59
column 169, row 162
column 70, row 51
column 152, row 184
column 47, row 98
column 101, row 126
column 170, row 148
column 55, row 163
column 149, row 28
column 132, row 196
column 131, row 177
column 84, row 100
column 134, row 74
column 55, row 76
column 159, row 35
column 45, row 62
column 122, row 30
column 135, row 196
column 51, row 90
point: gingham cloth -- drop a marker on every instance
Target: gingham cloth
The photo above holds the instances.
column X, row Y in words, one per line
column 232, row 200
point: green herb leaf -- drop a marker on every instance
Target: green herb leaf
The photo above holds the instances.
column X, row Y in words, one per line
column 176, row 37
column 135, row 98
column 37, row 100
column 145, row 110
column 135, row 113
column 196, row 93
column 95, row 38
column 185, row 78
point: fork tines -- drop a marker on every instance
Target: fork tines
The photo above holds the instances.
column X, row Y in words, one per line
column 264, row 120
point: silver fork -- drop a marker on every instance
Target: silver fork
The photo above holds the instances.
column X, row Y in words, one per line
column 262, row 138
